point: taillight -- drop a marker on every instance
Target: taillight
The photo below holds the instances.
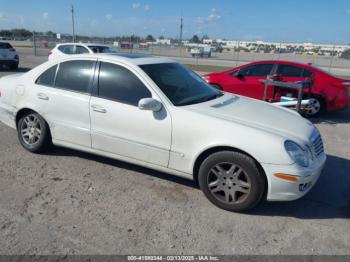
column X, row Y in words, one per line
column 344, row 85
column 50, row 53
column 347, row 84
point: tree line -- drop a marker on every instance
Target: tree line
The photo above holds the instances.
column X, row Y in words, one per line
column 24, row 34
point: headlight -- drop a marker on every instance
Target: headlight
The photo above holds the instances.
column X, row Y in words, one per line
column 297, row 153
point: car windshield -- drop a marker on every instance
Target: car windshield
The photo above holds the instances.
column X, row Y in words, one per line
column 101, row 49
column 181, row 85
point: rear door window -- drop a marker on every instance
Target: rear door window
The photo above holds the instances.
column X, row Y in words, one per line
column 66, row 49
column 75, row 75
column 81, row 50
column 290, row 71
column 256, row 70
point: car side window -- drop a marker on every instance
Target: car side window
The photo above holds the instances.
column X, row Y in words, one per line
column 75, row 75
column 81, row 50
column 48, row 77
column 118, row 83
column 307, row 73
column 290, row 71
column 256, row 70
column 66, row 49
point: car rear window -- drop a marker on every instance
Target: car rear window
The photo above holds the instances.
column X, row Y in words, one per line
column 5, row 46
column 307, row 73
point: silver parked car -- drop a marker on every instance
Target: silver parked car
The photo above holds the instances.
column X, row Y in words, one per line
column 8, row 56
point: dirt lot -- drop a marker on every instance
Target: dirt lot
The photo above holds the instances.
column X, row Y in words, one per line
column 76, row 203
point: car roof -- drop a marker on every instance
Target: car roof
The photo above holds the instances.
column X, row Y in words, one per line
column 281, row 62
column 83, row 44
column 134, row 59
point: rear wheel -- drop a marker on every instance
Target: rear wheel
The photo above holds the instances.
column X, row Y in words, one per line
column 231, row 181
column 33, row 132
column 317, row 106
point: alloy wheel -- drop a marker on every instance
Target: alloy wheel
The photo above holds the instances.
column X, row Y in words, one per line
column 314, row 107
column 31, row 129
column 229, row 183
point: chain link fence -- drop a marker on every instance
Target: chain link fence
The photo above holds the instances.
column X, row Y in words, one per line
column 332, row 58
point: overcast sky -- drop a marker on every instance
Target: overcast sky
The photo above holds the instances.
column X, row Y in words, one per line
column 317, row 21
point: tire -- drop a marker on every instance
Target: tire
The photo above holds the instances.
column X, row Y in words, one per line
column 216, row 86
column 33, row 132
column 318, row 106
column 235, row 173
column 14, row 67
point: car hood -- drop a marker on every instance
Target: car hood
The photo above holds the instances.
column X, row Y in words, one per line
column 257, row 114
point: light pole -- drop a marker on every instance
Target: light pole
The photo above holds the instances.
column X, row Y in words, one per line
column 72, row 10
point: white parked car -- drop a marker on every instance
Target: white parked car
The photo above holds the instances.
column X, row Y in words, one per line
column 8, row 56
column 156, row 113
column 68, row 49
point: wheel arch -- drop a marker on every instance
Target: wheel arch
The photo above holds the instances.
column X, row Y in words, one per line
column 209, row 151
column 21, row 112
column 25, row 110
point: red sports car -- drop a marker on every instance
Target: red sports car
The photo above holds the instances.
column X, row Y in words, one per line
column 329, row 93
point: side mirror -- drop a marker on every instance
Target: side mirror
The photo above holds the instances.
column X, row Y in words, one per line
column 150, row 104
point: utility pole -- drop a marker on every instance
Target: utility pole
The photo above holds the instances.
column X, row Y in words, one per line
column 72, row 10
column 181, row 29
column 34, row 43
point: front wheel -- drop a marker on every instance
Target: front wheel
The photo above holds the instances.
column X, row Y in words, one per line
column 33, row 132
column 231, row 181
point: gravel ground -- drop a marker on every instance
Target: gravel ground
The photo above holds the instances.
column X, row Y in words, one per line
column 68, row 202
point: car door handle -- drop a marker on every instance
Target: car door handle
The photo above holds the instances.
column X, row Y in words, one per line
column 98, row 109
column 43, row 96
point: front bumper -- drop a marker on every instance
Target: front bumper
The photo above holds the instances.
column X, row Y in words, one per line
column 282, row 190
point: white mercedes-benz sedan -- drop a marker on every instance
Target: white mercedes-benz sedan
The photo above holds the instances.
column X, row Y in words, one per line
column 157, row 113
